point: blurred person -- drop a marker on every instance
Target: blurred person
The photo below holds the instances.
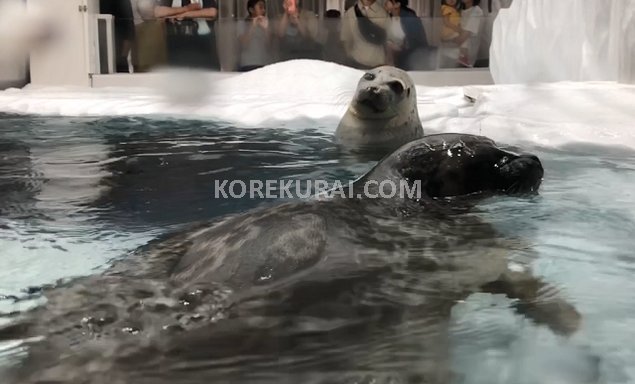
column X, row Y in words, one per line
column 191, row 39
column 254, row 37
column 407, row 43
column 452, row 30
column 297, row 32
column 168, row 8
column 22, row 29
column 472, row 17
column 150, row 47
column 333, row 50
column 364, row 34
column 121, row 10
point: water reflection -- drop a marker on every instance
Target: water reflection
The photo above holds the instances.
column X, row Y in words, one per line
column 166, row 173
column 18, row 184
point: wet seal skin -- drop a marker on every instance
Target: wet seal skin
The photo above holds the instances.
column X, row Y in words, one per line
column 325, row 291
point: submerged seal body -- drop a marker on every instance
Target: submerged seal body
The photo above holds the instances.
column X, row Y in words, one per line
column 262, row 246
column 317, row 289
column 383, row 113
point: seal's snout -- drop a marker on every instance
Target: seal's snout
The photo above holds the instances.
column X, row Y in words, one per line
column 371, row 92
column 530, row 158
column 374, row 98
column 530, row 164
column 523, row 175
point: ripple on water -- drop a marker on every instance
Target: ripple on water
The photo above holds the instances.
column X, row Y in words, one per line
column 76, row 193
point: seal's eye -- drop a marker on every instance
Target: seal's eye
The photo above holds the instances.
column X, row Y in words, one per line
column 396, row 87
column 458, row 146
column 369, row 76
column 503, row 161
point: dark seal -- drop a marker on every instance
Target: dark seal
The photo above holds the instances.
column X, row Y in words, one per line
column 264, row 246
column 328, row 290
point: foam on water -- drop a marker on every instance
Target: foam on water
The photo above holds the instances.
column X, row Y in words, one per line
column 296, row 93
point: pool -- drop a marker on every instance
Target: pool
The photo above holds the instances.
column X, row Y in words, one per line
column 78, row 192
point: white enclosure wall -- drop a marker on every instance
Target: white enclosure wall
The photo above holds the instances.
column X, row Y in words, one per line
column 13, row 56
column 626, row 29
column 12, row 73
column 70, row 58
column 576, row 40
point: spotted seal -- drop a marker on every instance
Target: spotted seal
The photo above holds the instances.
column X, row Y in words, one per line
column 383, row 113
column 313, row 290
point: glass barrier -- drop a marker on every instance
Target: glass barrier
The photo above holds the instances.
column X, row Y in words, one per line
column 227, row 44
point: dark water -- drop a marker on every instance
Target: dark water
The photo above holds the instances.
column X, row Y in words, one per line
column 77, row 193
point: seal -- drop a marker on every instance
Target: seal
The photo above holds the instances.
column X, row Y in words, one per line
column 449, row 171
column 362, row 266
column 383, row 113
column 267, row 245
column 327, row 283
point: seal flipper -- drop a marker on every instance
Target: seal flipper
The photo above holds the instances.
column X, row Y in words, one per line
column 537, row 300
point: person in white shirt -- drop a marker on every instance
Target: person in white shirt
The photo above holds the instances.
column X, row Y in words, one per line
column 472, row 18
column 364, row 34
column 407, row 45
column 254, row 37
column 150, row 48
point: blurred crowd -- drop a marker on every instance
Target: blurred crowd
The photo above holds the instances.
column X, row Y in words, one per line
column 249, row 34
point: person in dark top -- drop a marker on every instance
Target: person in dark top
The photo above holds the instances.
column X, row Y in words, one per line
column 407, row 37
column 333, row 49
column 254, row 37
column 191, row 37
column 124, row 29
column 297, row 31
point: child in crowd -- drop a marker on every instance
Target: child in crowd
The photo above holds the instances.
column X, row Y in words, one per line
column 452, row 27
column 297, row 31
column 254, row 37
column 407, row 41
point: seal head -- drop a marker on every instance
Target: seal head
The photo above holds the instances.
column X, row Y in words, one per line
column 379, row 99
column 383, row 113
column 448, row 166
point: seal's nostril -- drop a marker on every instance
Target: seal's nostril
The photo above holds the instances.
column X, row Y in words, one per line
column 531, row 160
column 503, row 161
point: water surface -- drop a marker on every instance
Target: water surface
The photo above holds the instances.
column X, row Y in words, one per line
column 77, row 192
